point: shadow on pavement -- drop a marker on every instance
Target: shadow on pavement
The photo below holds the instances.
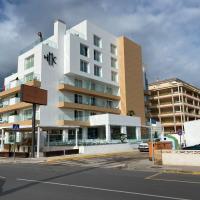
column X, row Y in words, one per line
column 3, row 193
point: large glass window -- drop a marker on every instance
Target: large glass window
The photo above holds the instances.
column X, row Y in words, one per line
column 78, row 83
column 84, row 66
column 28, row 77
column 78, row 98
column 29, row 62
column 113, row 62
column 78, row 115
column 114, row 76
column 28, row 114
column 97, row 70
column 83, row 50
column 93, row 101
column 97, row 56
column 97, row 41
column 113, row 49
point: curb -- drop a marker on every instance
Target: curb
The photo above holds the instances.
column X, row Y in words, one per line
column 181, row 172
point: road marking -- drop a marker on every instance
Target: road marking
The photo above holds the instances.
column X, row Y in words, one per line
column 154, row 175
column 100, row 189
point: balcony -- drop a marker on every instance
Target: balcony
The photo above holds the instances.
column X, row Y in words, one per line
column 78, row 106
column 17, row 106
column 66, row 120
column 89, row 89
column 13, row 88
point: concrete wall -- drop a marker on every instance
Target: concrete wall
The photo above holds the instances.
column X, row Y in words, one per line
column 192, row 133
column 109, row 148
column 181, row 158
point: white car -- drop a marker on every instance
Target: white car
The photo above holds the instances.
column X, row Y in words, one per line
column 143, row 147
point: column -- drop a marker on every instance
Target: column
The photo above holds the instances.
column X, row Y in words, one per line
column 76, row 137
column 138, row 133
column 2, row 138
column 38, row 142
column 65, row 135
column 84, row 134
column 108, row 133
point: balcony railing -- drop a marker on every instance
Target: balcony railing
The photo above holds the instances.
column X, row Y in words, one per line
column 87, row 101
column 17, row 83
column 90, row 85
column 36, row 42
column 72, row 118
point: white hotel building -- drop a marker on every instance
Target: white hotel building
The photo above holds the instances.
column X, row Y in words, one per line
column 94, row 80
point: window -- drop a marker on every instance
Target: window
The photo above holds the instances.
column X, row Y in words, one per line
column 78, row 98
column 78, row 83
column 93, row 86
column 114, row 76
column 109, row 104
column 84, row 66
column 97, row 56
column 28, row 77
column 28, row 114
column 109, row 90
column 29, row 62
column 113, row 49
column 97, row 70
column 78, row 115
column 113, row 62
column 92, row 113
column 93, row 101
column 83, row 50
column 97, row 41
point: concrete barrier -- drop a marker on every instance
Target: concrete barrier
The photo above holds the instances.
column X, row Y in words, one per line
column 181, row 157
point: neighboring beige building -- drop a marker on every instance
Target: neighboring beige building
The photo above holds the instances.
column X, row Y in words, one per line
column 174, row 102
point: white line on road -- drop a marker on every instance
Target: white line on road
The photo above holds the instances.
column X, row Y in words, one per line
column 100, row 189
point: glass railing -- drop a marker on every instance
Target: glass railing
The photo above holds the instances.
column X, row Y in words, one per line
column 22, row 81
column 76, row 33
column 90, row 85
column 88, row 101
column 36, row 42
column 72, row 118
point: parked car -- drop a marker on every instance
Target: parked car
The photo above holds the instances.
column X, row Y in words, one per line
column 143, row 147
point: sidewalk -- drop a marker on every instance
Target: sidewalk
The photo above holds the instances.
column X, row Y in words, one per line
column 124, row 161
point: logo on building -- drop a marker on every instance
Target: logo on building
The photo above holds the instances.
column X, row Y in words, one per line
column 51, row 59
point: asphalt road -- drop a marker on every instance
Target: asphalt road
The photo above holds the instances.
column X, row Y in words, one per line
column 90, row 183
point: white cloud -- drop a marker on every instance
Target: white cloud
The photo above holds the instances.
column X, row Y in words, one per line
column 168, row 30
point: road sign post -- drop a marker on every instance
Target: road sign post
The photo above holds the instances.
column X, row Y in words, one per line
column 179, row 132
column 36, row 96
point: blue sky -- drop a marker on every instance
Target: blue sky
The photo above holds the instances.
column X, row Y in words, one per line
column 167, row 30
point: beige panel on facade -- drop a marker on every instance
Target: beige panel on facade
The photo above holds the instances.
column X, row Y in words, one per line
column 73, row 123
column 131, row 78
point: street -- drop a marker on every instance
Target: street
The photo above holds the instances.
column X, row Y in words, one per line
column 29, row 181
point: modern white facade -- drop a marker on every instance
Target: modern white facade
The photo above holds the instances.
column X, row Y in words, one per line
column 79, row 68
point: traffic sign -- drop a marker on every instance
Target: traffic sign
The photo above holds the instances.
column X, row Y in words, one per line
column 15, row 127
column 179, row 132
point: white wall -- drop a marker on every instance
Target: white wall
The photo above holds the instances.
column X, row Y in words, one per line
column 181, row 158
column 120, row 120
column 192, row 133
column 103, row 149
column 72, row 52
